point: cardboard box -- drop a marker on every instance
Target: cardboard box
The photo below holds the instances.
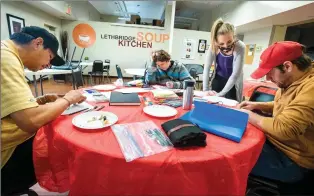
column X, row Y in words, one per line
column 157, row 23
column 134, row 17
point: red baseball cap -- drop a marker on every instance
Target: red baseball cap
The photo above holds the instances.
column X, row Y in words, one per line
column 276, row 55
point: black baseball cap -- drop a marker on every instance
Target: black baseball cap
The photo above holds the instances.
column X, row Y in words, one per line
column 50, row 41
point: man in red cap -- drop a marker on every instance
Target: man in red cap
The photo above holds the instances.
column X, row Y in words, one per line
column 289, row 149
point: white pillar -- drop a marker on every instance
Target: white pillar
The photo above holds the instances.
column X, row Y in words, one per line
column 173, row 12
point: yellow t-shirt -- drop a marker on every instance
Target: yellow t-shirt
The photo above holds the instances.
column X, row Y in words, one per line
column 15, row 96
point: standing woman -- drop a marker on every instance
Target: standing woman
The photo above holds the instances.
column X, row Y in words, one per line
column 227, row 54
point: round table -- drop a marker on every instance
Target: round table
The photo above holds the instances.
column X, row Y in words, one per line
column 91, row 162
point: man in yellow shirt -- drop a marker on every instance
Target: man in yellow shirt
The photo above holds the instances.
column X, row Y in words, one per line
column 288, row 153
column 21, row 114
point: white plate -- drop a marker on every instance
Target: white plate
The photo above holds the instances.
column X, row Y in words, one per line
column 160, row 111
column 81, row 121
column 106, row 87
column 132, row 90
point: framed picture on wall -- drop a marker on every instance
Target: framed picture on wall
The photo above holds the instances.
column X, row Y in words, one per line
column 15, row 24
column 202, row 46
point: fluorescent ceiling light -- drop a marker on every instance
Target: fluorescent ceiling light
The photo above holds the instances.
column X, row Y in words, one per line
column 123, row 18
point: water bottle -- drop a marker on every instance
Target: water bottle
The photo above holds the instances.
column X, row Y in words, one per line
column 188, row 94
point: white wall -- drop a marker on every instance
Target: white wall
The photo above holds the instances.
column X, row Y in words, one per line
column 243, row 12
column 178, row 37
column 260, row 37
column 83, row 10
column 31, row 15
column 125, row 57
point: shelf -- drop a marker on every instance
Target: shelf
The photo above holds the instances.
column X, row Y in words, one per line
column 137, row 26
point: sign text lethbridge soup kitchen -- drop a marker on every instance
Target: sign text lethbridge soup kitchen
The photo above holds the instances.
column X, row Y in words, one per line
column 143, row 40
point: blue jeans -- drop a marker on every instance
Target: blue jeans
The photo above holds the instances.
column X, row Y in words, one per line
column 274, row 164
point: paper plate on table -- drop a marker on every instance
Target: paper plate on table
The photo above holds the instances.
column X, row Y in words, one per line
column 132, row 90
column 94, row 120
column 160, row 111
column 106, row 87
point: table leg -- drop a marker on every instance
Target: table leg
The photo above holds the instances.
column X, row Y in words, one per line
column 35, row 85
column 41, row 85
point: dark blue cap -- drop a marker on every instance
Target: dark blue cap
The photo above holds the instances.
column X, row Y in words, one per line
column 50, row 41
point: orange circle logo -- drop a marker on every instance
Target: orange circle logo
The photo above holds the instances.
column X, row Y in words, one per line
column 84, row 35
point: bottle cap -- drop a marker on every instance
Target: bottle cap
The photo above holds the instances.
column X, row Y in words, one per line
column 189, row 83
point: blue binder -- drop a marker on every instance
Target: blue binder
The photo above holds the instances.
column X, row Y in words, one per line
column 218, row 120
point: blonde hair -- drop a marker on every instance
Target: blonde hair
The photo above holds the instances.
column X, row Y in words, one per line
column 220, row 28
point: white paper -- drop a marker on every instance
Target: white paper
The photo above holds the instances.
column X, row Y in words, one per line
column 200, row 93
column 90, row 98
column 132, row 90
column 77, row 107
column 159, row 87
column 250, row 53
column 224, row 101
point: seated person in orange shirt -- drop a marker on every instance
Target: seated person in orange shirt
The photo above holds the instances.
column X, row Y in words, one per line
column 288, row 154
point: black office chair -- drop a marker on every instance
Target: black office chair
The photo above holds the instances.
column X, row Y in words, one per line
column 78, row 78
column 259, row 186
column 193, row 73
column 119, row 72
column 259, row 96
column 199, row 69
column 97, row 70
column 28, row 192
column 106, row 69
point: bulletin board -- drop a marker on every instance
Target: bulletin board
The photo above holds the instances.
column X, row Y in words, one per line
column 249, row 53
column 189, row 49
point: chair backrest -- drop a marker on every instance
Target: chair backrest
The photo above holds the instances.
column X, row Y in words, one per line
column 263, row 96
column 78, row 78
column 106, row 68
column 199, row 68
column 193, row 73
column 106, row 65
column 98, row 66
column 119, row 72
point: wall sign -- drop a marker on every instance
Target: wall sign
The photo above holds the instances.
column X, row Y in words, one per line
column 142, row 40
column 84, row 35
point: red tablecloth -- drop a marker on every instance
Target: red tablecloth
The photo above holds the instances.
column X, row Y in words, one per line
column 250, row 85
column 91, row 163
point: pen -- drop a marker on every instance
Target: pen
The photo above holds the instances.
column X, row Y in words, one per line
column 79, row 111
column 100, row 107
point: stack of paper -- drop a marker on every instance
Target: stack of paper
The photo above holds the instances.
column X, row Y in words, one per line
column 77, row 107
column 222, row 100
column 91, row 98
column 200, row 93
column 162, row 94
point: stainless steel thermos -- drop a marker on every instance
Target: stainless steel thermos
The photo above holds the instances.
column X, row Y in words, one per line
column 188, row 94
